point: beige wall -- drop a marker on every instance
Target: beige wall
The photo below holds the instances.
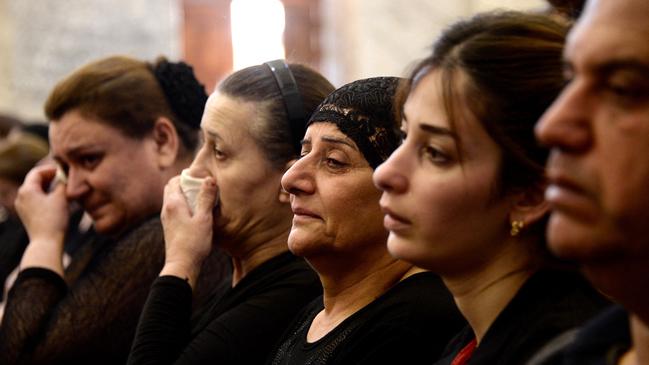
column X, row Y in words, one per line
column 43, row 40
column 365, row 38
column 6, row 59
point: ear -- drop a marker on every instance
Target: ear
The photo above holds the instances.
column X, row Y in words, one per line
column 529, row 206
column 167, row 142
column 284, row 196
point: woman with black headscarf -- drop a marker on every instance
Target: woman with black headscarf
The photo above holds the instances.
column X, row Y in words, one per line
column 375, row 308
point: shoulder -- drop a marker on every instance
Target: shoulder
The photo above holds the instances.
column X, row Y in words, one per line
column 606, row 336
column 420, row 297
column 549, row 304
column 150, row 228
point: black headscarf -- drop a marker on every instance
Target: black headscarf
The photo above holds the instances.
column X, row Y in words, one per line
column 364, row 111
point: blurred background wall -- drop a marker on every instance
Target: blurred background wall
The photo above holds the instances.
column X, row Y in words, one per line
column 43, row 40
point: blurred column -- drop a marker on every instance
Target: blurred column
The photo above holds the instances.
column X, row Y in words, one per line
column 207, row 39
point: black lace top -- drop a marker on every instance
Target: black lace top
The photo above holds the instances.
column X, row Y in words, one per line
column 409, row 324
column 90, row 317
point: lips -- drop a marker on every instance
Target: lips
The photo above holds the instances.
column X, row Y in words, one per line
column 305, row 213
column 393, row 221
column 568, row 196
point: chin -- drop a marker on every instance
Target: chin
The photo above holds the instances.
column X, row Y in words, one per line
column 108, row 225
column 569, row 239
column 404, row 249
column 304, row 244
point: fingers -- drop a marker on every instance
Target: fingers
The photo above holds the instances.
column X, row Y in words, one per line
column 40, row 177
column 173, row 199
column 207, row 196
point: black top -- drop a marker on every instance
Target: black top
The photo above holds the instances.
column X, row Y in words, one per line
column 549, row 303
column 409, row 324
column 90, row 316
column 602, row 341
column 13, row 241
column 238, row 326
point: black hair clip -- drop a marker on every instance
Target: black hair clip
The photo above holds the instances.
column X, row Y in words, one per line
column 292, row 99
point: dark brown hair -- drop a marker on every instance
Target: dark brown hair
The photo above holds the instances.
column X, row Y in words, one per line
column 122, row 92
column 512, row 63
column 257, row 84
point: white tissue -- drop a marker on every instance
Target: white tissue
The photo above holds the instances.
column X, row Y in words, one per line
column 190, row 187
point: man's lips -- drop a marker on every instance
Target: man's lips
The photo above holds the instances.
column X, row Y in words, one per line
column 303, row 212
column 567, row 196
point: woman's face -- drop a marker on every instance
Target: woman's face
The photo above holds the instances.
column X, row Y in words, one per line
column 439, row 187
column 115, row 178
column 335, row 205
column 248, row 187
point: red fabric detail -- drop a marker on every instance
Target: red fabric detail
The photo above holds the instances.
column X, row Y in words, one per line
column 464, row 355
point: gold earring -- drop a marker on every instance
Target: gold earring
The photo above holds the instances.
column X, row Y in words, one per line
column 517, row 226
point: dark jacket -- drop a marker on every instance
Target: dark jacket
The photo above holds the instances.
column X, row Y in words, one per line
column 549, row 303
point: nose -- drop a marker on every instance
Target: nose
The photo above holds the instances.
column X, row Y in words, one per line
column 566, row 124
column 199, row 166
column 298, row 179
column 77, row 185
column 389, row 176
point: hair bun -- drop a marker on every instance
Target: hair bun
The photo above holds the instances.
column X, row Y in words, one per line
column 185, row 95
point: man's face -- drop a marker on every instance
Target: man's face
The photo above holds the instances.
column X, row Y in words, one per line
column 598, row 130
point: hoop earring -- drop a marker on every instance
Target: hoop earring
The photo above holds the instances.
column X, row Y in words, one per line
column 517, row 226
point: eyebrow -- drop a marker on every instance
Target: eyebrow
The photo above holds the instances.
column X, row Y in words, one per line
column 440, row 131
column 74, row 152
column 331, row 139
column 212, row 134
column 77, row 150
column 610, row 67
column 430, row 128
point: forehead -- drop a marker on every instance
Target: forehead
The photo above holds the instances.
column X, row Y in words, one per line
column 610, row 30
column 230, row 117
column 323, row 130
column 425, row 101
column 426, row 105
column 434, row 97
column 75, row 130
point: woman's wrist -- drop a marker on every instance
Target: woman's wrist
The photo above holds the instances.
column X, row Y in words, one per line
column 45, row 253
column 186, row 270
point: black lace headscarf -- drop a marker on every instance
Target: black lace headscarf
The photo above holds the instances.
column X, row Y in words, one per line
column 364, row 111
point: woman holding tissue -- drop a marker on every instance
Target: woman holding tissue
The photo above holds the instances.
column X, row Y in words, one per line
column 252, row 127
column 120, row 128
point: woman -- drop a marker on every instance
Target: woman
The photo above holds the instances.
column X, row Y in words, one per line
column 119, row 129
column 374, row 309
column 19, row 153
column 251, row 129
column 463, row 195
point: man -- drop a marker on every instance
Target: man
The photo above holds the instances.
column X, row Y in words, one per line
column 598, row 130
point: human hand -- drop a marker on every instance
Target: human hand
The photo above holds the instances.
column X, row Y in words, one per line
column 188, row 237
column 45, row 215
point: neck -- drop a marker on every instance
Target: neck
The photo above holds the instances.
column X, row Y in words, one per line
column 624, row 280
column 639, row 353
column 258, row 253
column 353, row 285
column 483, row 293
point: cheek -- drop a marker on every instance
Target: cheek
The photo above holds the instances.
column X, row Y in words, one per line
column 243, row 191
column 357, row 211
column 137, row 189
column 452, row 207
